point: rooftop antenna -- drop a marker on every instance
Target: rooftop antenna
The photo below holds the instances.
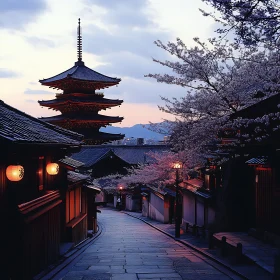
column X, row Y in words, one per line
column 79, row 41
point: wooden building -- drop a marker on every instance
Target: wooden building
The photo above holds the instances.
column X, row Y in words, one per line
column 31, row 192
column 80, row 103
column 81, row 196
column 250, row 193
column 103, row 160
column 76, row 208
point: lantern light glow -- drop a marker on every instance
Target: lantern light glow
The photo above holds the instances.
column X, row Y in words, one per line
column 52, row 168
column 177, row 165
column 14, row 173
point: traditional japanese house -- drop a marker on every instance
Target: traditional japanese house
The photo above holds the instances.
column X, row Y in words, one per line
column 196, row 204
column 80, row 103
column 76, row 208
column 32, row 183
column 103, row 160
column 250, row 194
column 80, row 205
column 116, row 158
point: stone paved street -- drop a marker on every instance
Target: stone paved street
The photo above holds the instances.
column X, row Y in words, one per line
column 129, row 249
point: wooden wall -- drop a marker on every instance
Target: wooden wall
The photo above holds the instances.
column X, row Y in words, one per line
column 78, row 229
column 33, row 218
column 76, row 219
column 267, row 199
column 40, row 234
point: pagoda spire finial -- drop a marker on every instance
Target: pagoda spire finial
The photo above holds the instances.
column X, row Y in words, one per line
column 79, row 41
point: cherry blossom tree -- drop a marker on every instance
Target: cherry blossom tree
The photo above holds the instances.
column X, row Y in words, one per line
column 159, row 172
column 218, row 83
column 252, row 21
column 108, row 183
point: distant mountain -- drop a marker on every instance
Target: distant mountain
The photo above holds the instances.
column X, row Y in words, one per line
column 136, row 131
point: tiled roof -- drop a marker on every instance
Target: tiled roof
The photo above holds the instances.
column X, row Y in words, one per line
column 138, row 154
column 159, row 193
column 75, row 177
column 257, row 161
column 265, row 106
column 80, row 72
column 195, row 186
column 170, row 192
column 71, row 162
column 89, row 155
column 203, row 194
column 18, row 127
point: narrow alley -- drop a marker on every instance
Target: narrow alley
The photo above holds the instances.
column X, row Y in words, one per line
column 129, row 249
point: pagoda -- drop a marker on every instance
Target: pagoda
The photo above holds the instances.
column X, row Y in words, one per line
column 80, row 103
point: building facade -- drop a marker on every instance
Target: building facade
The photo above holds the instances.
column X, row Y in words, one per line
column 32, row 184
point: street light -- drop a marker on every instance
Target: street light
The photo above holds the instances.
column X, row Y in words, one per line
column 120, row 196
column 177, row 166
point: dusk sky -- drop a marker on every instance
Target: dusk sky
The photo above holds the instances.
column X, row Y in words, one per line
column 38, row 40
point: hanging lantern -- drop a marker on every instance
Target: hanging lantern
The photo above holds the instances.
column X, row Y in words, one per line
column 52, row 168
column 14, row 172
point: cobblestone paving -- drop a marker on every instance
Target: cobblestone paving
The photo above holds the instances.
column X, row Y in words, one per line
column 129, row 249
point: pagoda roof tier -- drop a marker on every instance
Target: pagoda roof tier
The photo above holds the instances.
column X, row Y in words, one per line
column 82, row 75
column 96, row 118
column 101, row 136
column 88, row 100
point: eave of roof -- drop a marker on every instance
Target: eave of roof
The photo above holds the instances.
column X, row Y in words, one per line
column 257, row 161
column 264, row 106
column 91, row 118
column 196, row 191
column 75, row 177
column 98, row 190
column 81, row 73
column 130, row 154
column 80, row 101
column 71, row 162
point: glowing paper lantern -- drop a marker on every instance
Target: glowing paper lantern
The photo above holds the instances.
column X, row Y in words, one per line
column 52, row 168
column 14, row 172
